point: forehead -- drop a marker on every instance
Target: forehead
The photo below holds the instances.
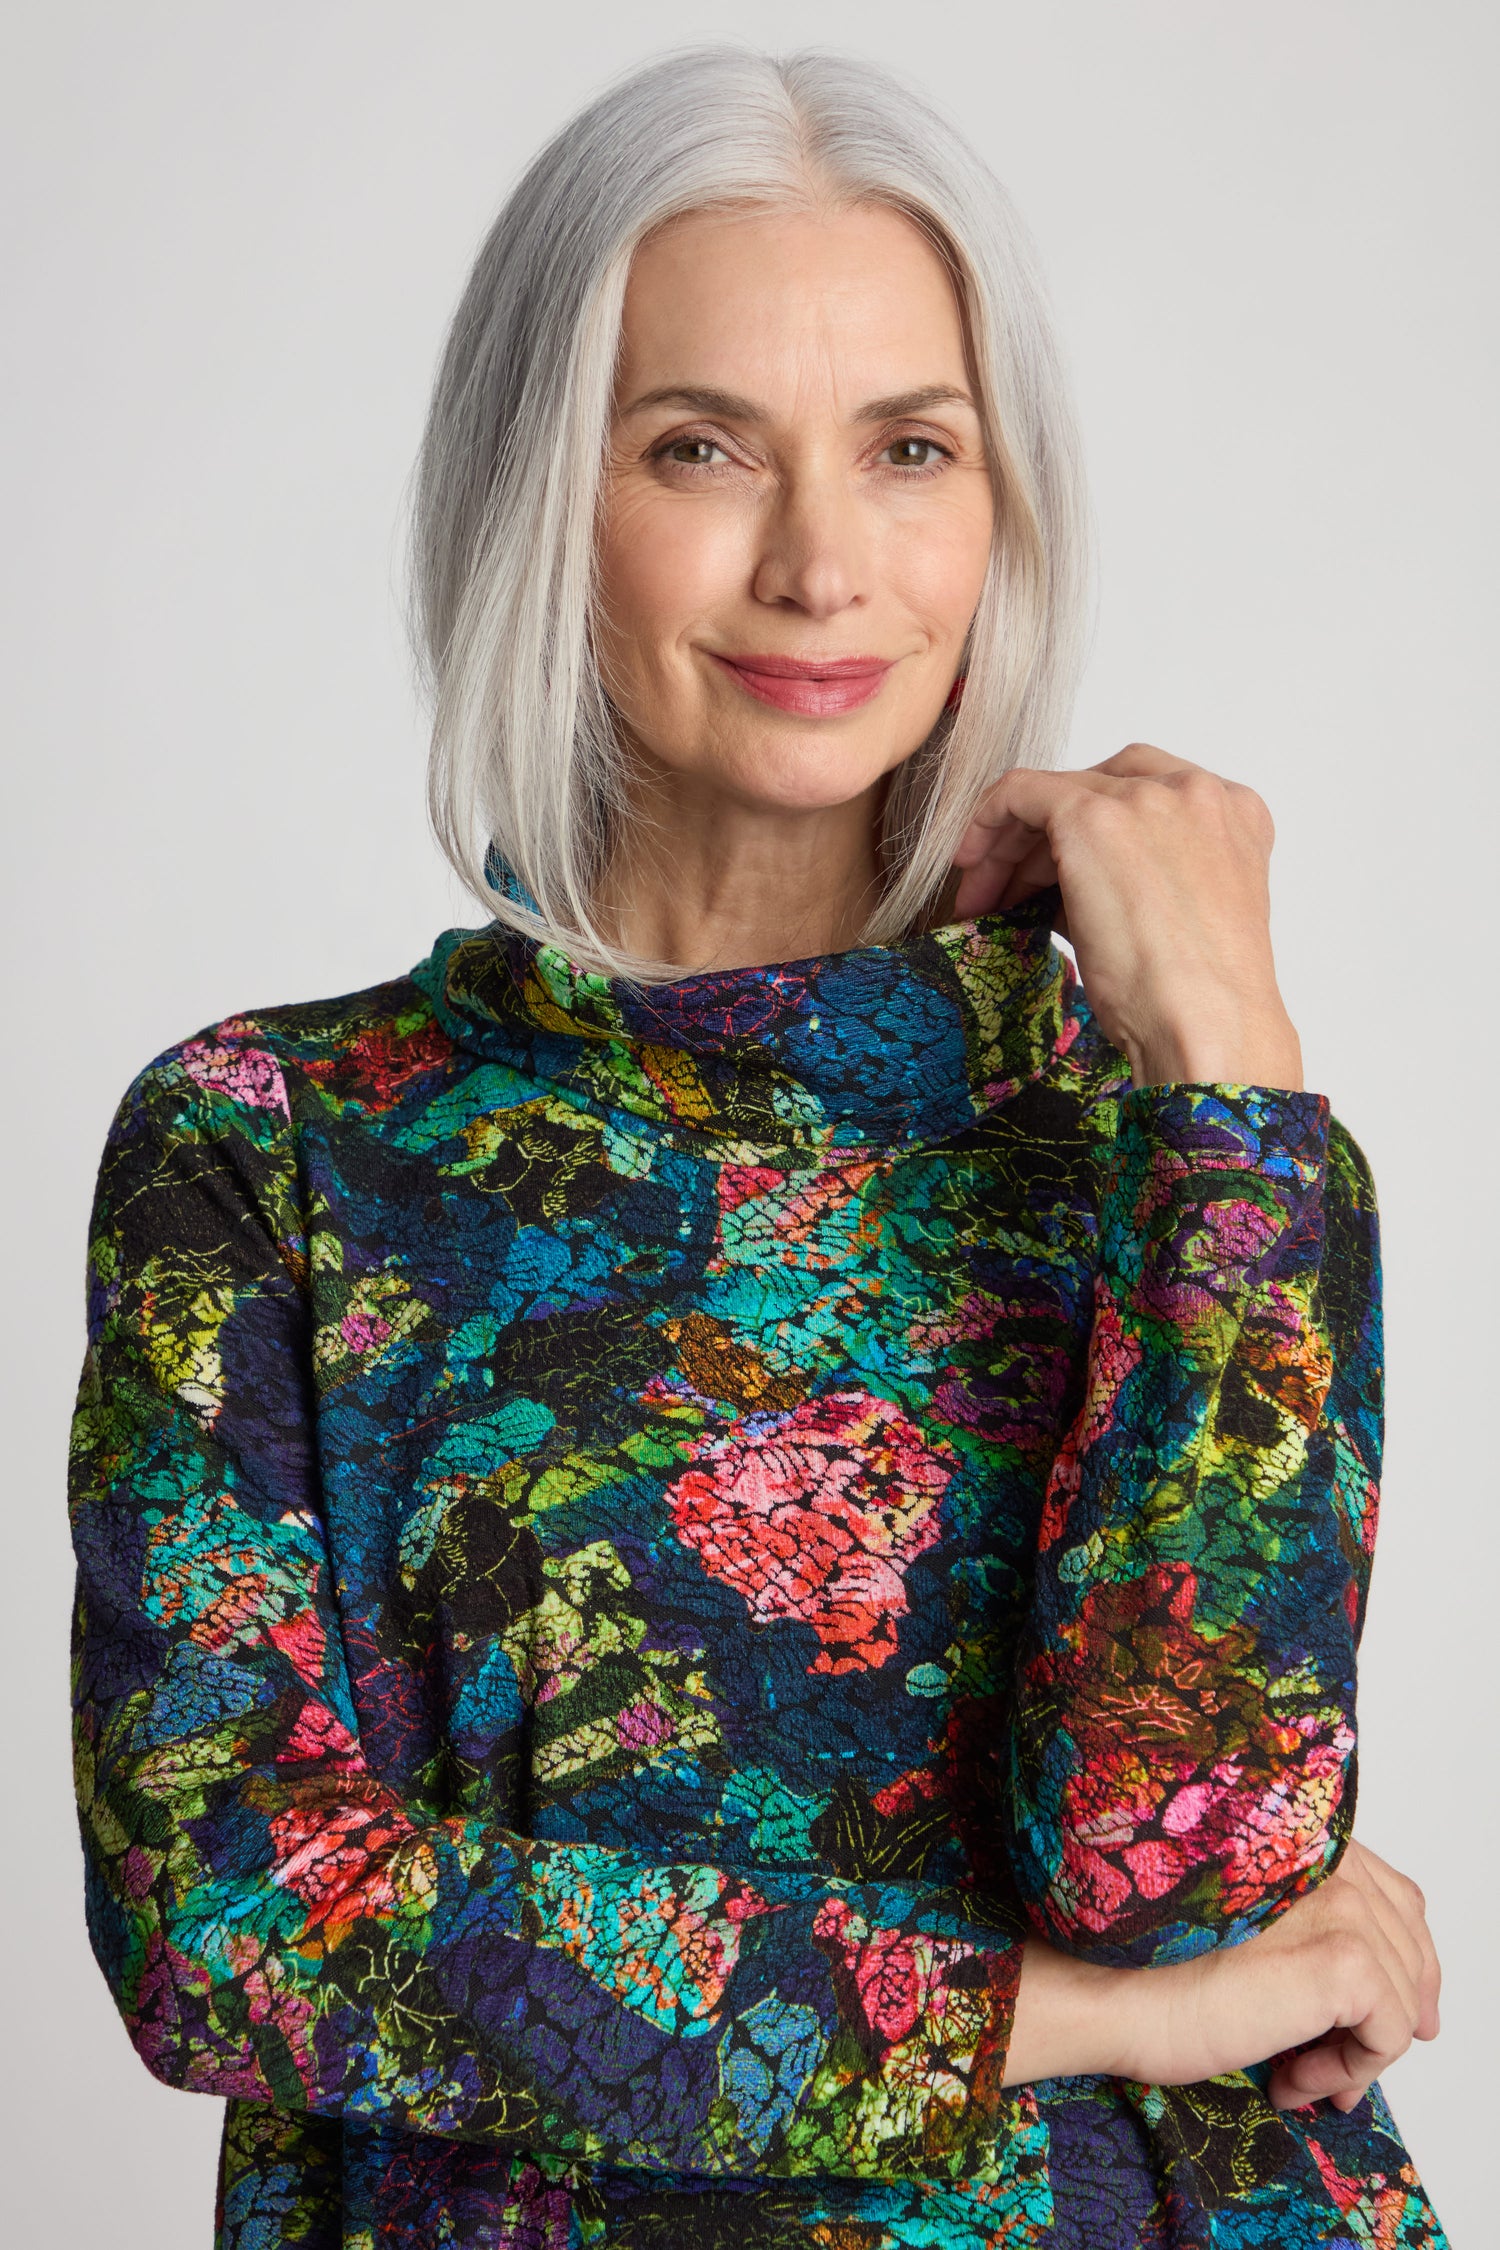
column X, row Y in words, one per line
column 751, row 299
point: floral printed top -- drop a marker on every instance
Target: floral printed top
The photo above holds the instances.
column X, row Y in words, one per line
column 632, row 1543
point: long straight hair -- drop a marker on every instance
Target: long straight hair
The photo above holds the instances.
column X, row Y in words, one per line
column 527, row 788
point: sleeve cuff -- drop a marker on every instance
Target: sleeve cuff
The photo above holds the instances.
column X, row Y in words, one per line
column 1214, row 1187
column 1276, row 1132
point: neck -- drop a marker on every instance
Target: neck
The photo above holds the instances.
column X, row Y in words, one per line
column 705, row 882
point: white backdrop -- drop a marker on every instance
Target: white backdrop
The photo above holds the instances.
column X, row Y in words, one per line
column 236, row 235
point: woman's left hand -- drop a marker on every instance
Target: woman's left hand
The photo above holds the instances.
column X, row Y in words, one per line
column 1163, row 869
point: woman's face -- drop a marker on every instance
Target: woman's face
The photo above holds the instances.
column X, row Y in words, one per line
column 797, row 512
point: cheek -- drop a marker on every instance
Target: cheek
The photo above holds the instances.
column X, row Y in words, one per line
column 663, row 567
column 937, row 568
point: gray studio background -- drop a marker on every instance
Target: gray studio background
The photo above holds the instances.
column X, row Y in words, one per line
column 234, row 238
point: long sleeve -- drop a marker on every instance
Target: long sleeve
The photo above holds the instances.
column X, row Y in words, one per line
column 1183, row 1748
column 275, row 1922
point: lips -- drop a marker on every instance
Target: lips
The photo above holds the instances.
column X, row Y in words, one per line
column 818, row 687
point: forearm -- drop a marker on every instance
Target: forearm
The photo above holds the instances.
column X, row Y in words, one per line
column 1071, row 2016
column 1169, row 2025
column 1166, row 2025
column 1185, row 1690
column 413, row 1973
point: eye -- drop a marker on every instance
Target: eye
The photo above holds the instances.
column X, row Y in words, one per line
column 691, row 453
column 914, row 453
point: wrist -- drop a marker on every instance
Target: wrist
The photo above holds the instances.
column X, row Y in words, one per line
column 1219, row 1045
column 1074, row 2017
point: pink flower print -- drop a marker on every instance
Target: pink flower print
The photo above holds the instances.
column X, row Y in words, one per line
column 318, row 1735
column 246, row 1074
column 905, row 1986
column 362, row 1330
column 817, row 1514
column 302, row 1640
column 1236, row 1233
column 642, row 1725
column 1157, row 1866
column 1113, row 1357
column 139, row 1871
column 889, row 1984
column 1186, row 1807
column 739, row 1183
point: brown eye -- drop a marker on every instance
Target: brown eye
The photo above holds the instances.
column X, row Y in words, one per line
column 691, row 453
column 914, row 452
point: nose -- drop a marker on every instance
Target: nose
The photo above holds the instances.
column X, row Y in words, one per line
column 815, row 556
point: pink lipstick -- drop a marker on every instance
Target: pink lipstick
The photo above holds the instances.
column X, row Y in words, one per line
column 818, row 687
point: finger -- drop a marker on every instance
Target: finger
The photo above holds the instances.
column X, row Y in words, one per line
column 1408, row 1903
column 1319, row 2072
column 1031, row 792
column 1398, row 1910
column 1032, row 797
column 1004, row 839
column 1033, row 873
column 1005, row 845
column 1380, row 2038
column 998, row 883
column 1373, row 2026
column 1400, row 1949
column 1354, row 1892
column 1001, row 865
column 1143, row 758
column 1328, row 2069
column 995, row 831
column 1430, row 2021
column 1361, row 1861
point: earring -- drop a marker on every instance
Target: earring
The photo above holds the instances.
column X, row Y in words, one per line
column 956, row 693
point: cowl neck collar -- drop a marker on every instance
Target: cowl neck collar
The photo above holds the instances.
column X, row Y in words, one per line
column 858, row 1053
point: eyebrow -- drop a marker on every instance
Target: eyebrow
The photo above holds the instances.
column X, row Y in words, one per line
column 730, row 407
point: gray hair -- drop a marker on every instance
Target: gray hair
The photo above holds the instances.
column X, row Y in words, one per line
column 527, row 789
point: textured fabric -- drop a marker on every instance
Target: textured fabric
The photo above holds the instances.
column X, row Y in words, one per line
column 631, row 1544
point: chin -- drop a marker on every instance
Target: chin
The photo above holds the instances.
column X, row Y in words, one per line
column 807, row 774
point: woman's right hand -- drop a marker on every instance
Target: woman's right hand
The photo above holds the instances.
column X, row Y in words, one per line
column 1348, row 1975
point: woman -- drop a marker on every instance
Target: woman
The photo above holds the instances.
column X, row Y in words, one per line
column 721, row 1536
